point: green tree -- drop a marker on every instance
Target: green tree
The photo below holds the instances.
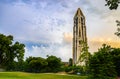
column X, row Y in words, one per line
column 36, row 64
column 5, row 42
column 116, row 59
column 9, row 51
column 54, row 63
column 70, row 62
column 112, row 4
column 101, row 64
column 18, row 50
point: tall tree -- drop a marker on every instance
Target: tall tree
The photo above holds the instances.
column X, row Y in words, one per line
column 5, row 49
column 101, row 64
column 10, row 51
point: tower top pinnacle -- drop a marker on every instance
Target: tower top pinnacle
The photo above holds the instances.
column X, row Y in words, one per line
column 78, row 12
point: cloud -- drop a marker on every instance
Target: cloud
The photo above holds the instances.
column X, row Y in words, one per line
column 38, row 27
column 42, row 50
column 96, row 43
column 67, row 37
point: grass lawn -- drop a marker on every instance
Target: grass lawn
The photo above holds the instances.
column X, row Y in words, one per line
column 22, row 75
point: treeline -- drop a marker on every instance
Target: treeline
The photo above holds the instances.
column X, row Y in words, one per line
column 37, row 64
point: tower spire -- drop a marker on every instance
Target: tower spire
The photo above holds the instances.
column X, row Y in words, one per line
column 78, row 13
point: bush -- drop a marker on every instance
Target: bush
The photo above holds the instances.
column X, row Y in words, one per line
column 75, row 70
column 68, row 69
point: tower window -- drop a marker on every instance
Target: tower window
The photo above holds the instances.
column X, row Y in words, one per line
column 81, row 19
column 79, row 42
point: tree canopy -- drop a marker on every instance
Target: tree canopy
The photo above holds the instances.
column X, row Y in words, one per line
column 54, row 63
column 112, row 4
column 10, row 51
column 39, row 64
column 105, row 64
column 35, row 64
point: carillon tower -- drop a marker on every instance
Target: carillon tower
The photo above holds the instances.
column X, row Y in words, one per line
column 79, row 35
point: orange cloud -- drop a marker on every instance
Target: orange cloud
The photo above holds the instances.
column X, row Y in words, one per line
column 67, row 37
column 94, row 44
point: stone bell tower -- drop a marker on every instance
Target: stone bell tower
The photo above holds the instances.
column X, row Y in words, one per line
column 79, row 35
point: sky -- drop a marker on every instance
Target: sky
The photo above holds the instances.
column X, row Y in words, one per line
column 46, row 26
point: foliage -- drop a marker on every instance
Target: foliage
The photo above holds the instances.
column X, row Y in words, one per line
column 75, row 69
column 112, row 4
column 116, row 59
column 70, row 62
column 19, row 66
column 118, row 28
column 68, row 68
column 78, row 69
column 5, row 42
column 18, row 49
column 9, row 51
column 85, row 57
column 38, row 64
column 54, row 63
column 85, row 54
column 35, row 64
column 101, row 64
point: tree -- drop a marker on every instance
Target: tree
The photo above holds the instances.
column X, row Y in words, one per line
column 36, row 64
column 10, row 51
column 112, row 4
column 70, row 62
column 18, row 50
column 101, row 64
column 118, row 28
column 116, row 60
column 5, row 42
column 54, row 63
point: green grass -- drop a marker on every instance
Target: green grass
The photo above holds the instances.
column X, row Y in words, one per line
column 22, row 75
